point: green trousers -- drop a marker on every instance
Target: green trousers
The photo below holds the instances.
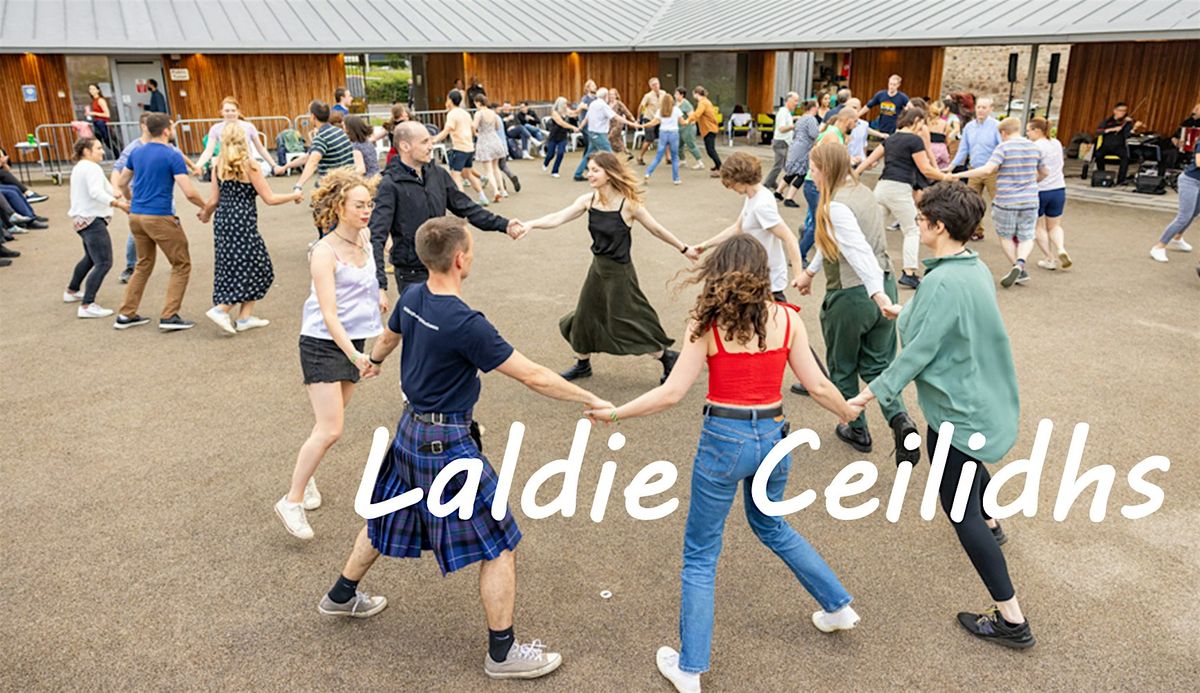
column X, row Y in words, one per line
column 859, row 342
column 687, row 138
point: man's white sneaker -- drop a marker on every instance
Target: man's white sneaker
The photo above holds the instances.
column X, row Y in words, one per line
column 697, row 166
column 250, row 323
column 668, row 665
column 844, row 618
column 93, row 310
column 221, row 318
column 1159, row 254
column 312, row 497
column 524, row 661
column 362, row 605
column 1180, row 245
column 294, row 520
column 1048, row 264
column 69, row 297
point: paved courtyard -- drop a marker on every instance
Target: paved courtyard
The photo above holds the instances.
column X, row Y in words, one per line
column 140, row 550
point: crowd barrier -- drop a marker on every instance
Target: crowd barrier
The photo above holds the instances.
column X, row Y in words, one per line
column 190, row 133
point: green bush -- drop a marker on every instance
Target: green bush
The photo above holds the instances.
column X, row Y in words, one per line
column 382, row 90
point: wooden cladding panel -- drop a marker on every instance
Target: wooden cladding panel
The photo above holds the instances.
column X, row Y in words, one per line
column 541, row 76
column 19, row 118
column 264, row 85
column 1159, row 80
column 760, row 82
column 441, row 69
column 920, row 68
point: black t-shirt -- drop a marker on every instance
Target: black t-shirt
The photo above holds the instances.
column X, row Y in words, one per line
column 446, row 344
column 1115, row 139
column 898, row 164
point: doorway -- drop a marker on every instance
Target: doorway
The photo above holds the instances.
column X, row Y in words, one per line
column 131, row 92
column 669, row 70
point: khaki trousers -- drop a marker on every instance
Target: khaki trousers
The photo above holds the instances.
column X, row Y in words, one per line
column 150, row 233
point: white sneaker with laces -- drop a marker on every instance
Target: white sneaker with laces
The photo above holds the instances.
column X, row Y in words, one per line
column 221, row 318
column 844, row 618
column 1159, row 254
column 93, row 310
column 524, row 661
column 250, row 323
column 312, row 497
column 294, row 519
column 668, row 665
column 1180, row 245
column 69, row 297
column 697, row 166
column 1047, row 264
column 554, row 175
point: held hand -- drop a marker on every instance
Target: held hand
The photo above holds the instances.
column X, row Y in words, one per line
column 892, row 311
column 363, row 362
column 692, row 253
column 371, row 372
column 122, row 205
column 803, row 283
column 862, row 399
column 383, row 302
column 203, row 216
column 852, row 412
column 600, row 415
column 516, row 230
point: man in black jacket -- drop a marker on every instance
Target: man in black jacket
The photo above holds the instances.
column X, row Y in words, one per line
column 413, row 190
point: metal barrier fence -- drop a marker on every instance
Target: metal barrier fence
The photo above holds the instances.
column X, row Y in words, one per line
column 58, row 140
column 190, row 133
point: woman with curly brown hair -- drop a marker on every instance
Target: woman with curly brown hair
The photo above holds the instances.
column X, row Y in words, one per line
column 747, row 339
column 341, row 313
column 613, row 316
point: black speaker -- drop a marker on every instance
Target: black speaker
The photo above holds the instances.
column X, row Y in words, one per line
column 1054, row 59
column 1104, row 179
column 1150, row 184
column 1012, row 67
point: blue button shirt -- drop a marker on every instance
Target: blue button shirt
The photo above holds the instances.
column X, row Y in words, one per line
column 979, row 140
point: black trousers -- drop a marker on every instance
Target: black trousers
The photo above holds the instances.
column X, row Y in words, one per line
column 973, row 532
column 97, row 259
column 710, row 146
column 406, row 277
column 1119, row 151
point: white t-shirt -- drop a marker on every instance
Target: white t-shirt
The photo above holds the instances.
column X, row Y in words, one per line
column 760, row 214
column 599, row 114
column 857, row 145
column 1052, row 161
column 670, row 123
column 214, row 133
column 783, row 118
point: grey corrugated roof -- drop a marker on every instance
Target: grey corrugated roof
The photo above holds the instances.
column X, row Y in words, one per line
column 419, row 26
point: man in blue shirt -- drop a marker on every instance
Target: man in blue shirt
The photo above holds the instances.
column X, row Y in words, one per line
column 979, row 139
column 891, row 102
column 342, row 98
column 445, row 345
column 155, row 169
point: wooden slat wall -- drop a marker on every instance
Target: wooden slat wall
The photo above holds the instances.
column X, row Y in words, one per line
column 1159, row 80
column 264, row 85
column 541, row 76
column 441, row 69
column 760, row 82
column 921, row 69
column 18, row 118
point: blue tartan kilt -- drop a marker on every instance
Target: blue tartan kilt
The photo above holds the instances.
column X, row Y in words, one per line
column 456, row 543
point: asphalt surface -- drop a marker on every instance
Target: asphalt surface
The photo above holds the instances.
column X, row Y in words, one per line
column 140, row 550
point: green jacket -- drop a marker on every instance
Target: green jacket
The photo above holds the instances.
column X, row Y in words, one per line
column 956, row 349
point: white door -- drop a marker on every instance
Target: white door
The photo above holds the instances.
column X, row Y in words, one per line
column 131, row 90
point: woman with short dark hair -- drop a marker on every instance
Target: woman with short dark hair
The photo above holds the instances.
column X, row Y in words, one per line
column 92, row 200
column 366, row 157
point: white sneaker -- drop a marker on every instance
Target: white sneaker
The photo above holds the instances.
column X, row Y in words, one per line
column 1047, row 264
column 697, row 166
column 844, row 618
column 545, row 168
column 1180, row 245
column 221, row 318
column 250, row 323
column 676, row 182
column 554, row 175
column 312, row 497
column 668, row 665
column 69, row 297
column 1159, row 254
column 93, row 310
column 294, row 519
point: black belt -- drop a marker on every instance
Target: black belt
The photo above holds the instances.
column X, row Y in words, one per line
column 437, row 447
column 439, row 419
column 742, row 414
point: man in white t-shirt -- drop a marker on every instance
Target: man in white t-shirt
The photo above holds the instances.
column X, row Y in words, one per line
column 782, row 139
column 595, row 124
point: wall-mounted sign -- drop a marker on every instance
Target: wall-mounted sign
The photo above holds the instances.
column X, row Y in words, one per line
column 29, row 92
column 179, row 74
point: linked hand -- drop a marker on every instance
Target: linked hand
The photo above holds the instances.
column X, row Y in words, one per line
column 383, row 302
column 516, row 230
column 891, row 312
column 692, row 254
column 803, row 283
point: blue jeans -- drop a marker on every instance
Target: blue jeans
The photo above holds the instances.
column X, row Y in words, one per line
column 666, row 138
column 812, row 197
column 130, row 252
column 534, row 132
column 730, row 451
column 1189, row 208
column 555, row 150
column 596, row 142
column 16, row 200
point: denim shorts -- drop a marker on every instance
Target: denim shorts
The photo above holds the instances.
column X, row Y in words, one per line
column 460, row 160
column 1051, row 202
column 1015, row 222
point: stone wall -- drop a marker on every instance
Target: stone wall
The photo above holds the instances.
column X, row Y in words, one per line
column 983, row 71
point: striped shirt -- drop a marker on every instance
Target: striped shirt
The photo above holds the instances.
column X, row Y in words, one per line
column 334, row 147
column 1016, row 181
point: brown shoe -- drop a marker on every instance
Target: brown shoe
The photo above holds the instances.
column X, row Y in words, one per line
column 714, row 174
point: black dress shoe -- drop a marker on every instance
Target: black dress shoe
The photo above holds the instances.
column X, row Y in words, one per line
column 5, row 262
column 790, row 203
column 998, row 533
column 35, row 224
column 902, row 425
column 668, row 360
column 778, row 196
column 581, row 369
column 5, row 252
column 7, row 236
column 798, row 389
column 857, row 438
column 41, row 218
column 516, row 183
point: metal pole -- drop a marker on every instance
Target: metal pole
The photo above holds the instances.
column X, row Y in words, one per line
column 1033, row 56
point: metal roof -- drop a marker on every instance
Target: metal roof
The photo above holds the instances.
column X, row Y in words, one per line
column 425, row 26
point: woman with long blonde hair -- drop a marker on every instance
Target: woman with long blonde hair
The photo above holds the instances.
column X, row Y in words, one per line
column 612, row 315
column 860, row 293
column 342, row 312
column 747, row 340
column 242, row 271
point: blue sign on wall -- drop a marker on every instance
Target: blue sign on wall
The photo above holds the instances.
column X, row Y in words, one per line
column 29, row 91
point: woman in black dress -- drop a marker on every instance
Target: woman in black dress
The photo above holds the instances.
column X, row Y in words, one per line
column 613, row 316
column 242, row 271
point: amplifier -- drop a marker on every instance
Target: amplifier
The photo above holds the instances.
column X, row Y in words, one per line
column 1104, row 179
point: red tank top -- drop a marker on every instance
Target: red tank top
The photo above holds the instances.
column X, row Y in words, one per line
column 748, row 378
column 96, row 111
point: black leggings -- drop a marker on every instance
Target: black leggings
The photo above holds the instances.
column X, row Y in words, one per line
column 973, row 532
column 710, row 146
column 97, row 259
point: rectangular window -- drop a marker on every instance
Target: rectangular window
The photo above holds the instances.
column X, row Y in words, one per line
column 83, row 70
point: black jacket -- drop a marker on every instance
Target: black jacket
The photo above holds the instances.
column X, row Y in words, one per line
column 403, row 202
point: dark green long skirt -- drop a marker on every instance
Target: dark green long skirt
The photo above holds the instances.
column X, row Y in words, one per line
column 613, row 316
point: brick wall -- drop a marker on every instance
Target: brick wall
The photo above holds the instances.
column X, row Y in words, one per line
column 983, row 71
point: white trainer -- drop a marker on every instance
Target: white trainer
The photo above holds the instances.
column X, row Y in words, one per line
column 294, row 520
column 69, row 297
column 668, row 665
column 250, row 323
column 221, row 318
column 312, row 497
column 1180, row 245
column 1047, row 264
column 844, row 618
column 1159, row 254
column 93, row 310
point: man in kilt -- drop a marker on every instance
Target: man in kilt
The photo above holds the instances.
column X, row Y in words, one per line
column 445, row 345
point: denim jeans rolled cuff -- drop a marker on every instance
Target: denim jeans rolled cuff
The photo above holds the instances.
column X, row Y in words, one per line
column 730, row 453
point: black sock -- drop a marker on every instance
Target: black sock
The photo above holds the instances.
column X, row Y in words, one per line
column 343, row 590
column 499, row 643
column 584, row 362
column 1010, row 624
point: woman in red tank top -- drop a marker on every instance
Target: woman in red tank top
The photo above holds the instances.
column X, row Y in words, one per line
column 99, row 114
column 747, row 339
